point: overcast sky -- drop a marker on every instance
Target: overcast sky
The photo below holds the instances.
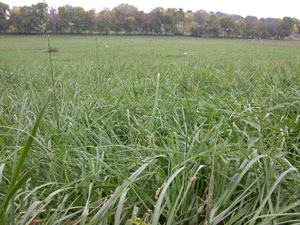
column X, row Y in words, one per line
column 259, row 8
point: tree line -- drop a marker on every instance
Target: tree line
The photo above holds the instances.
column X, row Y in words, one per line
column 127, row 19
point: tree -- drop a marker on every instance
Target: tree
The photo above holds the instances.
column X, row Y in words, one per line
column 295, row 29
column 251, row 26
column 228, row 26
column 242, row 26
column 297, row 23
column 261, row 28
column 213, row 23
column 66, row 19
column 21, row 20
column 129, row 24
column 201, row 17
column 4, row 12
column 201, row 27
column 121, row 13
column 189, row 22
column 141, row 23
column 171, row 18
column 39, row 16
column 272, row 27
column 287, row 26
column 53, row 21
column 105, row 21
column 127, row 18
column 89, row 21
column 77, row 19
column 180, row 21
column 156, row 20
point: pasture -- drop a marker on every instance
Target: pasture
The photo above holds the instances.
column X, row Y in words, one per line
column 141, row 133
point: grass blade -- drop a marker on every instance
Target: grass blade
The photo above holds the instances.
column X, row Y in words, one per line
column 14, row 185
column 120, row 207
column 86, row 208
column 162, row 195
column 116, row 194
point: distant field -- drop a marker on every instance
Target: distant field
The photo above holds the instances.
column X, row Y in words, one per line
column 30, row 50
column 152, row 130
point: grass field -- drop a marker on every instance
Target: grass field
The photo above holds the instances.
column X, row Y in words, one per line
column 141, row 133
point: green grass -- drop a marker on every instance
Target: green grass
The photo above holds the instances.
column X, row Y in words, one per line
column 142, row 134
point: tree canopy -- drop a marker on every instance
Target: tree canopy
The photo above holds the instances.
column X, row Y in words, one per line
column 127, row 19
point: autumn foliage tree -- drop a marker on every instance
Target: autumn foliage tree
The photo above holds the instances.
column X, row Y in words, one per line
column 127, row 19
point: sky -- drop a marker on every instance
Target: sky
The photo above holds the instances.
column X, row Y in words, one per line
column 259, row 8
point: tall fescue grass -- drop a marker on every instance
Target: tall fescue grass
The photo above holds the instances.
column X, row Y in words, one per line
column 158, row 137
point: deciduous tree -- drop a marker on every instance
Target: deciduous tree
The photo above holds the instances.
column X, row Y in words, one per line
column 227, row 24
column 4, row 15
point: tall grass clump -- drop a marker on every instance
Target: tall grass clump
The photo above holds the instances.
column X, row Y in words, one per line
column 142, row 134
